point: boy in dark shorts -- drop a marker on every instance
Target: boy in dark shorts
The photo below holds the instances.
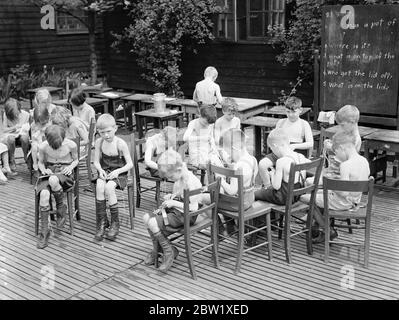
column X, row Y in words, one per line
column 169, row 217
column 58, row 157
column 113, row 161
column 277, row 191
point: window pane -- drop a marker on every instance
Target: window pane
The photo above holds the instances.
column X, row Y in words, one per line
column 242, row 19
column 255, row 23
column 255, row 5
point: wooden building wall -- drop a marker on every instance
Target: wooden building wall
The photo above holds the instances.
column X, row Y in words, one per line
column 22, row 41
column 245, row 69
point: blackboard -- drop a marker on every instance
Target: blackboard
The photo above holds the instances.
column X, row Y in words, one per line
column 359, row 58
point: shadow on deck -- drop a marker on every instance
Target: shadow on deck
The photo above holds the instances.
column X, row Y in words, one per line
column 84, row 269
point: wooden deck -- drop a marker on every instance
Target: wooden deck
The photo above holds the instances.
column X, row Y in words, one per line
column 85, row 269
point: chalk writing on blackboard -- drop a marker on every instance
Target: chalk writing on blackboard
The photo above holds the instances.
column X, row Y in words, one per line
column 359, row 58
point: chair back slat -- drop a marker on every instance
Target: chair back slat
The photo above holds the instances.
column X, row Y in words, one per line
column 348, row 186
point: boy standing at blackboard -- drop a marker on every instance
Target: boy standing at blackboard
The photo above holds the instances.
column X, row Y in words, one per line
column 299, row 135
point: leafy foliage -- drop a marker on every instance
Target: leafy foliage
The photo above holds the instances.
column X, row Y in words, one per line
column 157, row 33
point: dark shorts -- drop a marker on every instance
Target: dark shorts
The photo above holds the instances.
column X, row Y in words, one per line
column 66, row 182
column 272, row 195
column 153, row 172
column 272, row 157
column 121, row 181
column 175, row 219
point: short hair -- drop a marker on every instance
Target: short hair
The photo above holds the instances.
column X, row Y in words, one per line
column 348, row 113
column 77, row 97
column 208, row 112
column 12, row 109
column 229, row 104
column 41, row 114
column 169, row 161
column 293, row 103
column 277, row 136
column 43, row 96
column 55, row 135
column 60, row 116
column 233, row 138
column 343, row 138
column 105, row 120
column 211, row 72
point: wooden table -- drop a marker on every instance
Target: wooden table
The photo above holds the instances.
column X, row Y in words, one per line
column 115, row 97
column 96, row 103
column 363, row 131
column 157, row 117
column 259, row 123
column 385, row 140
column 52, row 90
column 94, row 90
column 281, row 111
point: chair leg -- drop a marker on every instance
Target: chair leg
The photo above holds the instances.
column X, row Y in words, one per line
column 37, row 213
column 70, row 211
column 215, row 242
column 326, row 237
column 157, row 192
column 367, row 242
column 240, row 246
column 132, row 211
column 189, row 254
column 287, row 238
column 76, row 201
column 309, row 223
column 349, row 223
column 269, row 237
column 280, row 224
column 138, row 197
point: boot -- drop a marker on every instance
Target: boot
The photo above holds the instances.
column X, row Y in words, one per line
column 150, row 258
column 114, row 229
column 169, row 251
column 61, row 208
column 101, row 217
column 45, row 232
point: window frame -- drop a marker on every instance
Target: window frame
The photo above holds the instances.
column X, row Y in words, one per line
column 270, row 11
column 59, row 31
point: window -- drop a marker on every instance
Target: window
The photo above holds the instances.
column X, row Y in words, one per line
column 248, row 19
column 68, row 24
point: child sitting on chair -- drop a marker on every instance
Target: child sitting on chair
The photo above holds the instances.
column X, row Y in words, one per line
column 16, row 129
column 200, row 138
column 352, row 167
column 207, row 92
column 169, row 218
column 347, row 118
column 228, row 120
column 58, row 157
column 299, row 134
column 4, row 160
column 80, row 108
column 113, row 161
column 278, row 142
column 156, row 145
column 74, row 127
column 43, row 97
column 40, row 123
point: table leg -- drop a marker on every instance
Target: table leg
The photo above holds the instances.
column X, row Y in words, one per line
column 139, row 126
column 129, row 114
column 258, row 142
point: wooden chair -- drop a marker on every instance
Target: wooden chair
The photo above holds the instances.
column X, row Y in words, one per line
column 243, row 217
column 72, row 195
column 138, row 157
column 131, row 177
column 361, row 212
column 292, row 209
column 188, row 231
